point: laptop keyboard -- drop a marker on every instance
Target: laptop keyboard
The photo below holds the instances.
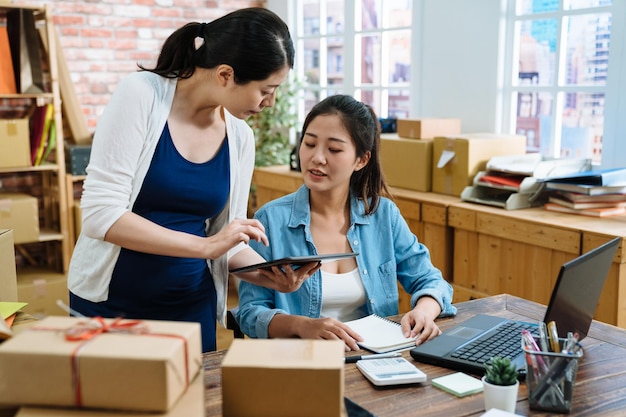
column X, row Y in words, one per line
column 504, row 342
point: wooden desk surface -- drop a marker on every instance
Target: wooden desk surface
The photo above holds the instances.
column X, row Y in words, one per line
column 600, row 385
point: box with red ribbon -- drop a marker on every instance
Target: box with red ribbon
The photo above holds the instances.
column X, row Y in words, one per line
column 100, row 363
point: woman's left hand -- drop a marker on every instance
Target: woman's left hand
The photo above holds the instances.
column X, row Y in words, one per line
column 420, row 321
column 284, row 278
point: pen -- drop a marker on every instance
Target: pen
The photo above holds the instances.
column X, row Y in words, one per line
column 543, row 337
column 553, row 336
column 530, row 343
column 353, row 359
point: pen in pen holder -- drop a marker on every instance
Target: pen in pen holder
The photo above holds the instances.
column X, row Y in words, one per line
column 551, row 387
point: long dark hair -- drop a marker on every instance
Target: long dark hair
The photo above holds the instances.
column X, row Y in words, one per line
column 362, row 125
column 254, row 41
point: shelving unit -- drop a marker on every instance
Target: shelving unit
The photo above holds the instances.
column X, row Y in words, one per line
column 49, row 255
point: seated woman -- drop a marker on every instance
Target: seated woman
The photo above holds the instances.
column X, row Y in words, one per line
column 340, row 208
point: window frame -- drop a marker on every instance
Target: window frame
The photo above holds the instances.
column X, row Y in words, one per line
column 558, row 87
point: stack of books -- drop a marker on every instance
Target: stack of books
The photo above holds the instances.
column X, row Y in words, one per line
column 514, row 182
column 598, row 193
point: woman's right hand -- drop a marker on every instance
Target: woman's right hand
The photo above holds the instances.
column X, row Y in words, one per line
column 237, row 231
column 325, row 328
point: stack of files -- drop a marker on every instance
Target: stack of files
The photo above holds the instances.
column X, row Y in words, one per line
column 515, row 182
column 598, row 193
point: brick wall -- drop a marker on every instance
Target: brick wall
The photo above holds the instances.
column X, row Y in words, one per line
column 103, row 40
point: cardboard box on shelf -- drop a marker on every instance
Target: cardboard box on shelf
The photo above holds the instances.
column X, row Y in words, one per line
column 428, row 128
column 15, row 142
column 283, row 378
column 407, row 163
column 20, row 213
column 41, row 290
column 457, row 159
column 144, row 371
column 8, row 278
column 191, row 404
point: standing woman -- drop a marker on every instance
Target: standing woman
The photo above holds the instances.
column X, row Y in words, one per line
column 341, row 208
column 165, row 198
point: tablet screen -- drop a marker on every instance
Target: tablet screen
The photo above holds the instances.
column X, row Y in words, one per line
column 296, row 261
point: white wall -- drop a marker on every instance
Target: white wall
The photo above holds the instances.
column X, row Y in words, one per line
column 459, row 62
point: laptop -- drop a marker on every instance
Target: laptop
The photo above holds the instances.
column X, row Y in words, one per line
column 573, row 303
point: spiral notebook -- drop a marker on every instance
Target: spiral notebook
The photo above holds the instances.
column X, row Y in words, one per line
column 380, row 335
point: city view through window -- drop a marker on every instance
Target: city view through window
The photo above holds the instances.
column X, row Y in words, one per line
column 559, row 80
column 554, row 87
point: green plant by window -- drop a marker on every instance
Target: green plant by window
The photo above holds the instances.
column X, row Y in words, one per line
column 271, row 127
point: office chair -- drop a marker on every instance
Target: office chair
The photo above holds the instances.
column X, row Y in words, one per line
column 231, row 323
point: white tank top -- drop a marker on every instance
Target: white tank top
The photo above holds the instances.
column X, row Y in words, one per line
column 343, row 295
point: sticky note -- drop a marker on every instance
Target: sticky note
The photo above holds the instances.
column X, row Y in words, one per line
column 459, row 384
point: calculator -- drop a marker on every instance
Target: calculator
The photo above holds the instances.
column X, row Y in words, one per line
column 390, row 371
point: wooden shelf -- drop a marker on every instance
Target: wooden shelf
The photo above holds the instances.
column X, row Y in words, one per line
column 54, row 243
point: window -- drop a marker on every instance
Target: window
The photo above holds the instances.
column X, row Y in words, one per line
column 551, row 69
column 558, row 83
column 355, row 47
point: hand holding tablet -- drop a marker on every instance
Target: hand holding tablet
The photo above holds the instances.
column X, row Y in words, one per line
column 295, row 261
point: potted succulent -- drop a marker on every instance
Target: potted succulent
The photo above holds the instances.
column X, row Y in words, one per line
column 500, row 384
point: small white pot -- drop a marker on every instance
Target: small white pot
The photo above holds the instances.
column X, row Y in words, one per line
column 499, row 396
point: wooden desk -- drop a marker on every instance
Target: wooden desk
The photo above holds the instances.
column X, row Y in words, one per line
column 600, row 385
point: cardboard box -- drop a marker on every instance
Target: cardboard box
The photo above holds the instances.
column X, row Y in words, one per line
column 20, row 213
column 41, row 290
column 144, row 371
column 283, row 378
column 457, row 159
column 77, row 158
column 15, row 143
column 8, row 278
column 191, row 404
column 407, row 163
column 428, row 128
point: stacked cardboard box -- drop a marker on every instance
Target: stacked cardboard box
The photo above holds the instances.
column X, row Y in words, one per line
column 20, row 213
column 283, row 378
column 8, row 279
column 428, row 128
column 407, row 162
column 457, row 159
column 189, row 405
column 67, row 362
column 15, row 142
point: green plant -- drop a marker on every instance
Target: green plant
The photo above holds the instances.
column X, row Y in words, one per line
column 500, row 371
column 271, row 127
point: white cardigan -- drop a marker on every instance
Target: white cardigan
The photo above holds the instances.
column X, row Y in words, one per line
column 122, row 150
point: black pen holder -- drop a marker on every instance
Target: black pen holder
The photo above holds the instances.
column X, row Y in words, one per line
column 550, row 379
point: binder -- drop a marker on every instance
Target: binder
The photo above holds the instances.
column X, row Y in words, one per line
column 7, row 75
column 25, row 51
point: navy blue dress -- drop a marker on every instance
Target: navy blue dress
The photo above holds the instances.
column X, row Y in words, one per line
column 179, row 195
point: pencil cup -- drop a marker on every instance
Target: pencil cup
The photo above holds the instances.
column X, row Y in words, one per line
column 550, row 378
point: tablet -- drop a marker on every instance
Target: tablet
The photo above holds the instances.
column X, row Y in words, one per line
column 296, row 261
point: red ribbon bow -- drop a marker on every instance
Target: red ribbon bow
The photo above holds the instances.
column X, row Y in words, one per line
column 97, row 325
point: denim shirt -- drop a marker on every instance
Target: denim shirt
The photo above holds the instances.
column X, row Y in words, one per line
column 388, row 253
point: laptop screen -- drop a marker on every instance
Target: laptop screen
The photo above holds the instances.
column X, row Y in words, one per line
column 577, row 290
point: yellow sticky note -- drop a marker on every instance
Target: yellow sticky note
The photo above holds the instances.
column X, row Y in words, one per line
column 7, row 308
